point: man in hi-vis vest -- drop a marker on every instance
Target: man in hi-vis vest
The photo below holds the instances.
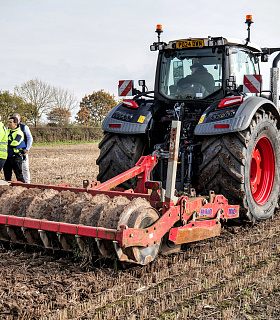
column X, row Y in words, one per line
column 3, row 144
column 16, row 149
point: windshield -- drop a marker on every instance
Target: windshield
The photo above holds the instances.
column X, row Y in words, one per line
column 190, row 74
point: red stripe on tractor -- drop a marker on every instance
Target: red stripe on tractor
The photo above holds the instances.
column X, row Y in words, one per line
column 127, row 89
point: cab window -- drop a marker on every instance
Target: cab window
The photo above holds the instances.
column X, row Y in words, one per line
column 242, row 63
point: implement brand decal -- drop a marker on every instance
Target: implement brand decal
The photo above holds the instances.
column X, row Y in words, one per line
column 206, row 212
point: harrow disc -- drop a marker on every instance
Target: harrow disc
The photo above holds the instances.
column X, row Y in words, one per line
column 142, row 218
column 139, row 215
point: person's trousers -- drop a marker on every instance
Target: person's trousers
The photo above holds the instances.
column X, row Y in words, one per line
column 25, row 169
column 13, row 164
column 2, row 162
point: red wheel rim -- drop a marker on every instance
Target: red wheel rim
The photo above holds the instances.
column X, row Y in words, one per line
column 262, row 171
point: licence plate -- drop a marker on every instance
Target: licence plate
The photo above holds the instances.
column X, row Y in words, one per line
column 190, row 44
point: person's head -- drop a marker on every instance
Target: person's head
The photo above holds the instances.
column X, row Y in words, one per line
column 17, row 115
column 13, row 123
column 195, row 66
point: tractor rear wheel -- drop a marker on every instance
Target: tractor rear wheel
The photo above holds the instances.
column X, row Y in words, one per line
column 244, row 167
column 119, row 153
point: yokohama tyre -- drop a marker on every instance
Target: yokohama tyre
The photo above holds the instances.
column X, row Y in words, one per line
column 119, row 153
column 244, row 167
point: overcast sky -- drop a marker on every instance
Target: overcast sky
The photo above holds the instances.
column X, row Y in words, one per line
column 88, row 45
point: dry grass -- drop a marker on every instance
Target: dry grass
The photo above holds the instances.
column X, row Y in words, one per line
column 214, row 280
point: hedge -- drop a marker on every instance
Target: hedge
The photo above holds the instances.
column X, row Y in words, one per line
column 52, row 134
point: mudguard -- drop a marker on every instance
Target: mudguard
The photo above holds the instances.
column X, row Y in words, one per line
column 241, row 119
column 122, row 119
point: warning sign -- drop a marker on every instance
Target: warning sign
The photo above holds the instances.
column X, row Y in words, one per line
column 125, row 88
column 252, row 83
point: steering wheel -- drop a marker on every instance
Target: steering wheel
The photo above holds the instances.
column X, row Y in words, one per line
column 191, row 90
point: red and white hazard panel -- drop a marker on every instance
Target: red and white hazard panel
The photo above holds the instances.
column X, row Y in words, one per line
column 252, row 83
column 125, row 88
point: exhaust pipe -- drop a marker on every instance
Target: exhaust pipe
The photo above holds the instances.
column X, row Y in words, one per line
column 274, row 80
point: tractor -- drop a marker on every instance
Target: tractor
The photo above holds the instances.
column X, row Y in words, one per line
column 229, row 138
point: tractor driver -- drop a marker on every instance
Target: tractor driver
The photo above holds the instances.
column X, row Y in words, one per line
column 199, row 75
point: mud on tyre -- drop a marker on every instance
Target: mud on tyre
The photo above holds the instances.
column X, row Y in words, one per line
column 244, row 166
column 119, row 153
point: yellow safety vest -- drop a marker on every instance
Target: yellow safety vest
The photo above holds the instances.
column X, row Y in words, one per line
column 15, row 137
column 3, row 141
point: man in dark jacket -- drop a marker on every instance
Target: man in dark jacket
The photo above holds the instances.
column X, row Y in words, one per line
column 15, row 148
column 199, row 75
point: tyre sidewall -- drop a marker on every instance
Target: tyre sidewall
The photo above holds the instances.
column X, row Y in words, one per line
column 265, row 128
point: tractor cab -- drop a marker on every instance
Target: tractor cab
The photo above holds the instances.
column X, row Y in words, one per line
column 204, row 69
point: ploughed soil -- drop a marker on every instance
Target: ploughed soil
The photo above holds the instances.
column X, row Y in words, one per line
column 233, row 276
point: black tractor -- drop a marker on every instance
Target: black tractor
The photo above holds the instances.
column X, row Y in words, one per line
column 230, row 127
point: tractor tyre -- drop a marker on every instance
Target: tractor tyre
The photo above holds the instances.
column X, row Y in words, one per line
column 244, row 167
column 119, row 153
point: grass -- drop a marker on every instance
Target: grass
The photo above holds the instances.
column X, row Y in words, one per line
column 59, row 143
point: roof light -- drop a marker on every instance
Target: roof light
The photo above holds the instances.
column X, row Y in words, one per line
column 153, row 47
column 159, row 31
column 230, row 101
column 248, row 21
column 249, row 18
column 130, row 104
column 159, row 28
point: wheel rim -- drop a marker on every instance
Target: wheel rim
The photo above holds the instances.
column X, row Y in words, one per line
column 262, row 170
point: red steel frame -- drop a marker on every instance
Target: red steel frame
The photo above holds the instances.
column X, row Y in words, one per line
column 199, row 219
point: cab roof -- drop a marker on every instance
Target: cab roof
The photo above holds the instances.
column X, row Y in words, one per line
column 210, row 42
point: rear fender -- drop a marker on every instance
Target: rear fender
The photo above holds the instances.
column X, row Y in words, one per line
column 241, row 119
column 125, row 120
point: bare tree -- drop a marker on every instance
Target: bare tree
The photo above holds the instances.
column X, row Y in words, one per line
column 39, row 94
column 64, row 99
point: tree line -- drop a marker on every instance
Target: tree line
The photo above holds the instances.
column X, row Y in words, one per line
column 35, row 99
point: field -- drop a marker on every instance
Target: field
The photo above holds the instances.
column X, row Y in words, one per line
column 233, row 276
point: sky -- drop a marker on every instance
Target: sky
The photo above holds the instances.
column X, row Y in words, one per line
column 88, row 45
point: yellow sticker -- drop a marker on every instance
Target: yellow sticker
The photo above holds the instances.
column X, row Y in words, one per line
column 141, row 119
column 201, row 120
